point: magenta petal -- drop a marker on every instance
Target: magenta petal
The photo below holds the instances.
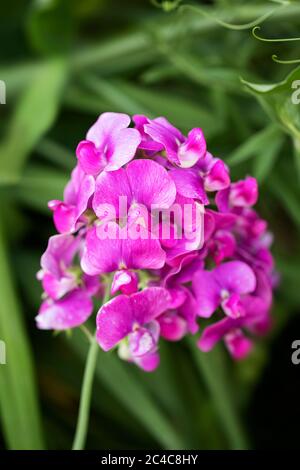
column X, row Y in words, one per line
column 146, row 143
column 60, row 251
column 124, row 146
column 222, row 200
column 151, row 184
column 125, row 281
column 58, row 287
column 207, row 292
column 68, row 312
column 109, row 145
column 172, row 326
column 107, row 124
column 121, row 249
column 161, row 131
column 238, row 344
column 149, row 304
column 192, row 149
column 110, row 187
column 189, row 184
column 244, row 193
column 214, row 333
column 114, row 321
column 149, row 362
column 101, row 256
column 64, row 216
column 218, row 177
column 236, row 277
column 76, row 199
column 90, row 159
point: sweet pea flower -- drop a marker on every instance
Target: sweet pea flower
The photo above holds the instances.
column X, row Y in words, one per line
column 68, row 214
column 224, row 286
column 138, row 206
column 67, row 290
column 244, row 193
column 134, row 317
column 109, row 144
column 256, row 321
column 67, row 312
column 209, row 174
column 181, row 318
column 57, row 275
column 180, row 151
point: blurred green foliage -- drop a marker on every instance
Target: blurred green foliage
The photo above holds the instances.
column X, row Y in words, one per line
column 64, row 62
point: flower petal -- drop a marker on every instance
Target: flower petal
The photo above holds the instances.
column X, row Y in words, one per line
column 207, row 292
column 236, row 277
column 68, row 312
column 150, row 184
column 189, row 184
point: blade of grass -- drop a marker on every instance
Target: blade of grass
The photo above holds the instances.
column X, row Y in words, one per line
column 284, row 193
column 253, row 145
column 212, row 368
column 266, row 158
column 56, row 153
column 39, row 185
column 18, row 395
column 33, row 116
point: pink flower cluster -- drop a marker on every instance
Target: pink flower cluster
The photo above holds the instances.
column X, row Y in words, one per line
column 160, row 286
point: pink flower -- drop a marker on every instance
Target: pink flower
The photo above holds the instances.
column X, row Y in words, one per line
column 56, row 274
column 181, row 151
column 244, row 193
column 110, row 144
column 134, row 317
column 256, row 321
column 224, row 286
column 67, row 312
column 134, row 207
column 209, row 174
column 68, row 214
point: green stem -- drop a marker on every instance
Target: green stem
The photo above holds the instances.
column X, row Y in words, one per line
column 85, row 399
column 86, row 390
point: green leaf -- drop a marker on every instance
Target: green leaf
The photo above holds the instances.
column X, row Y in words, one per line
column 254, row 145
column 18, row 395
column 34, row 114
column 281, row 104
column 277, row 99
column 266, row 157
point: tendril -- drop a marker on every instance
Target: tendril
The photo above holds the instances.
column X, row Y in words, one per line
column 286, row 62
column 237, row 27
column 256, row 28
